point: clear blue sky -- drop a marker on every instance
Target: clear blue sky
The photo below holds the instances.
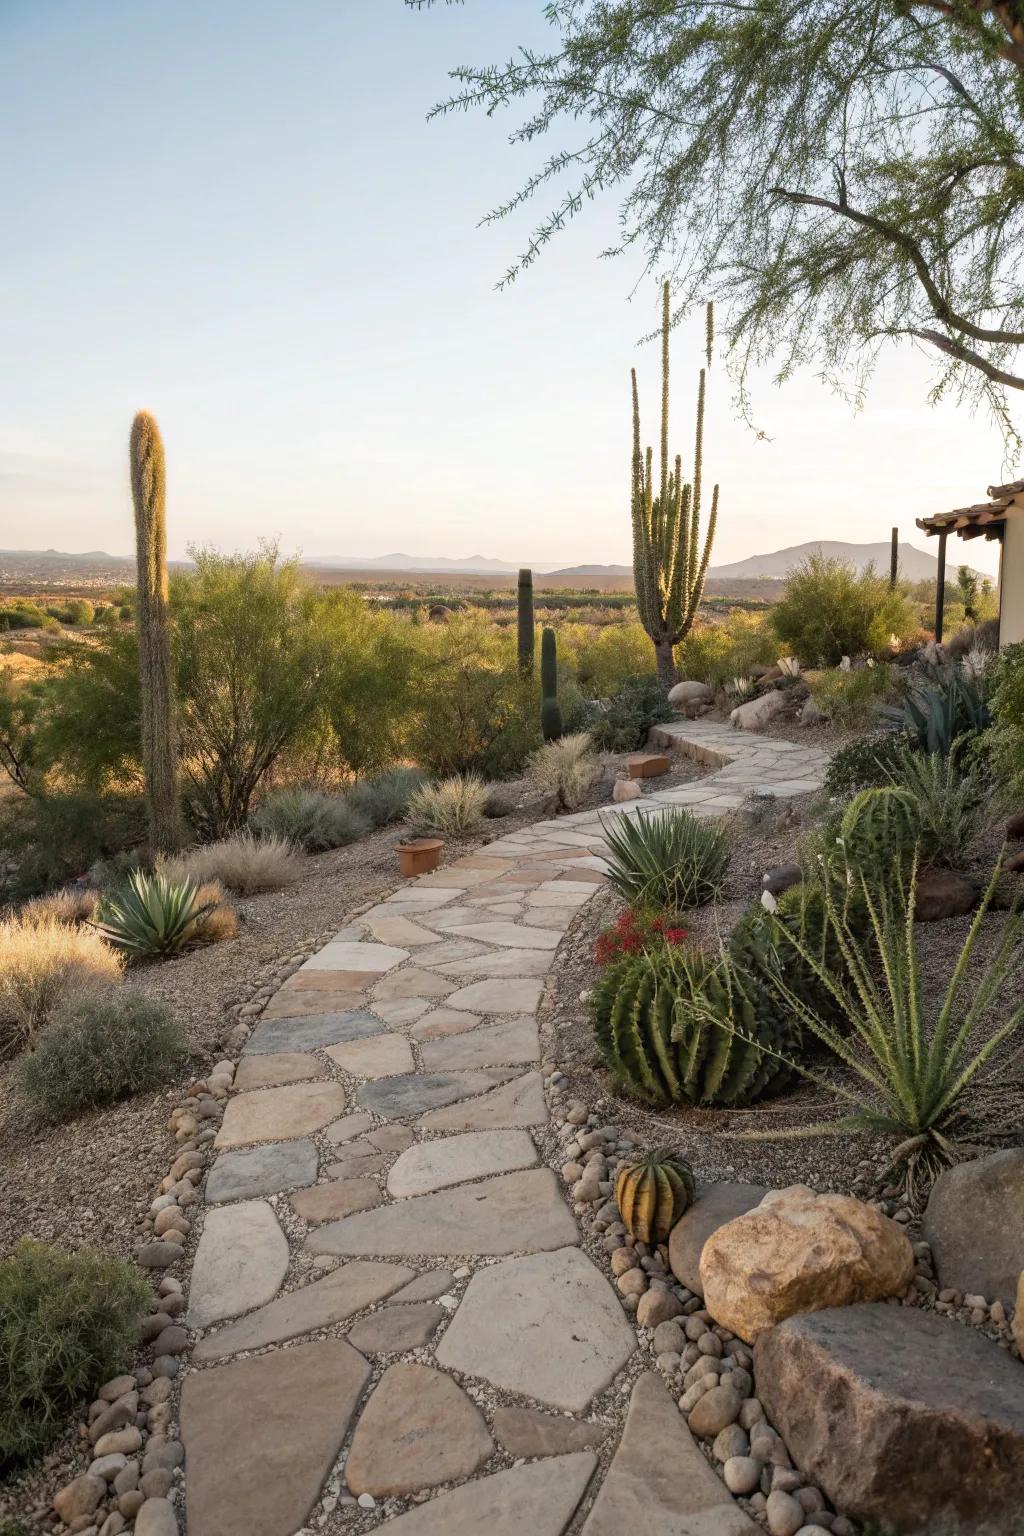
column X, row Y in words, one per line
column 235, row 214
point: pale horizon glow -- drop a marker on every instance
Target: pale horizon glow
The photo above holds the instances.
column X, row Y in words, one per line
column 237, row 217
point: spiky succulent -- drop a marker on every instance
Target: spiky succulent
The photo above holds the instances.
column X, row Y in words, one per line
column 652, row 1192
column 153, row 915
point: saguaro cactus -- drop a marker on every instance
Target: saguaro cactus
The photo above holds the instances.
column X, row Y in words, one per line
column 159, row 736
column 669, row 566
column 526, row 633
column 550, row 709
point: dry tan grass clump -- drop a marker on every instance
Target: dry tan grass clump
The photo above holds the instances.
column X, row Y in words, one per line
column 566, row 768
column 73, row 905
column 41, row 965
column 451, row 807
column 221, row 922
column 243, row 863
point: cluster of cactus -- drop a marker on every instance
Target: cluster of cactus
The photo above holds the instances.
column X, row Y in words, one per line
column 669, row 565
column 674, row 1027
column 526, row 629
column 550, row 709
column 878, row 833
column 652, row 1191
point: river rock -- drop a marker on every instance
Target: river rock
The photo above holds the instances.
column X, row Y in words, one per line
column 800, row 1252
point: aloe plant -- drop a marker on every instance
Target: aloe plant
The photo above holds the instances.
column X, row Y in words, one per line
column 153, row 915
column 670, row 859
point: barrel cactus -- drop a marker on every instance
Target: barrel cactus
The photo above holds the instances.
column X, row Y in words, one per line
column 676, row 1027
column 652, row 1192
column 878, row 832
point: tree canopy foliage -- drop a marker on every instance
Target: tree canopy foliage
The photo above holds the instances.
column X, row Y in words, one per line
column 837, row 173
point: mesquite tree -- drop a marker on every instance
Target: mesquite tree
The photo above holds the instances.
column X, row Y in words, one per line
column 156, row 678
column 669, row 565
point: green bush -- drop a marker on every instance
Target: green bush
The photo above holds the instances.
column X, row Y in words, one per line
column 947, row 799
column 98, row 1051
column 1007, row 735
column 385, row 797
column 878, row 833
column 475, row 712
column 830, row 610
column 668, row 860
column 311, row 819
column 68, row 1323
column 624, row 725
column 863, row 764
column 672, row 1027
column 944, row 713
column 851, row 699
column 715, row 653
column 153, row 915
column 54, row 838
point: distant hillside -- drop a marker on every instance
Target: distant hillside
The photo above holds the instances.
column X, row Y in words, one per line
column 573, row 572
column 469, row 564
column 915, row 564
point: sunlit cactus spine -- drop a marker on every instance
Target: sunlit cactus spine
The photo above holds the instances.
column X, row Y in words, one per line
column 550, row 710
column 526, row 631
column 156, row 682
column 669, row 563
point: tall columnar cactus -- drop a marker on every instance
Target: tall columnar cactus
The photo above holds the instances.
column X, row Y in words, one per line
column 526, row 636
column 159, row 735
column 550, row 710
column 669, row 565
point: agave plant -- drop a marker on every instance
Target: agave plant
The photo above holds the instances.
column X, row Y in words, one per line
column 153, row 915
column 668, row 860
column 935, row 715
column 917, row 1067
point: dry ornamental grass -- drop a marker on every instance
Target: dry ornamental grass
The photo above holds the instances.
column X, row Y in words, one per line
column 41, row 965
column 243, row 863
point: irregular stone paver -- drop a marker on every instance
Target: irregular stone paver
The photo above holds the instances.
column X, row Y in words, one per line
column 348, row 1127
column 397, row 1011
column 298, row 1000
column 393, row 1330
column 378, row 1056
column 548, row 1326
column 395, row 1097
column 347, row 955
column 240, row 1262
column 507, row 1214
column 426, row 1287
column 500, row 962
column 518, row 1103
column 508, row 934
column 341, row 1294
column 261, row 1435
column 275, row 1069
column 540, row 1498
column 399, row 930
column 412, row 982
column 358, row 1157
column 329, row 1202
column 529, row 1432
column 279, row 1114
column 513, row 1041
column 391, row 1138
column 659, row 1481
column 310, row 1032
column 437, row 1164
column 418, row 1429
column 262, row 1171
column 507, row 995
column 442, row 1022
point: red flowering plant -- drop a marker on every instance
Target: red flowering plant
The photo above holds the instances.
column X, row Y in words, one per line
column 636, row 933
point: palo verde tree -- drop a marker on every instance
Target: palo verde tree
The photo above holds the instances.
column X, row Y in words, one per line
column 837, row 173
column 669, row 565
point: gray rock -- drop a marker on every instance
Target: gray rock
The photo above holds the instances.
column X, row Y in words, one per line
column 310, row 1032
column 262, row 1171
column 781, row 878
column 156, row 1518
column 416, row 1092
column 714, row 1206
column 975, row 1225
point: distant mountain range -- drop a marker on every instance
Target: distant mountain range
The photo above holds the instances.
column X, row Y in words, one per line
column 915, row 564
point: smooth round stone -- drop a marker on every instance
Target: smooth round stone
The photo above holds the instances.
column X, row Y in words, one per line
column 716, row 1409
column 784, row 1514
column 742, row 1474
column 669, row 1339
column 730, row 1441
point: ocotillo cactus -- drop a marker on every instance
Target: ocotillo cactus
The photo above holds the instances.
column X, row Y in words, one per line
column 526, row 625
column 669, row 566
column 159, row 735
column 550, row 709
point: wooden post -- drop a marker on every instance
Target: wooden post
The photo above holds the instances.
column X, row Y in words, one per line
column 894, row 559
column 940, row 587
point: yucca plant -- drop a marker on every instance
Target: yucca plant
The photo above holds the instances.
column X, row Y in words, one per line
column 669, row 859
column 917, row 1066
column 947, row 799
column 153, row 915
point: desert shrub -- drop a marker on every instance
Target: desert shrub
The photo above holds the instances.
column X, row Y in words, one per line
column 369, row 681
column 668, row 860
column 1007, row 735
column 73, row 905
column 43, row 964
column 862, row 764
column 947, row 799
column 830, row 610
column 566, row 768
column 242, row 863
column 384, row 797
column 309, row 819
column 851, row 699
column 97, row 1051
column 68, row 1323
column 714, row 652
column 943, row 713
column 624, row 725
column 452, row 807
column 878, row 833
column 603, row 659
column 672, row 1027
column 153, row 915
column 55, row 837
column 474, row 710
column 220, row 920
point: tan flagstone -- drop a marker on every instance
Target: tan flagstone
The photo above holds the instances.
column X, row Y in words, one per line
column 513, row 1041
column 276, row 1069
column 329, row 1202
column 442, row 1022
column 356, row 955
column 539, row 1497
column 399, row 1011
column 518, row 1103
column 411, row 981
column 240, row 1262
column 501, row 995
column 377, row 1056
column 437, row 1164
column 279, row 1114
column 501, row 962
column 299, row 1001
column 418, row 1429
column 399, row 930
column 348, row 1127
column 507, row 934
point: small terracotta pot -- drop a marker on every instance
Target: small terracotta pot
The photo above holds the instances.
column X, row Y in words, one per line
column 420, row 856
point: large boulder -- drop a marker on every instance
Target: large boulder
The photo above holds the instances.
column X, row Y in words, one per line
column 800, row 1252
column 975, row 1224
column 756, row 713
column 689, row 692
column 1018, row 1316
column 942, row 893
column 900, row 1415
column 714, row 1206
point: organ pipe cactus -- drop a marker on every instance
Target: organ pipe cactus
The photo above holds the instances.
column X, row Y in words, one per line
column 156, row 681
column 669, row 563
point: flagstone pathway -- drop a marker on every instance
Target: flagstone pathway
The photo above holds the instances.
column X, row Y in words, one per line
column 389, row 1113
